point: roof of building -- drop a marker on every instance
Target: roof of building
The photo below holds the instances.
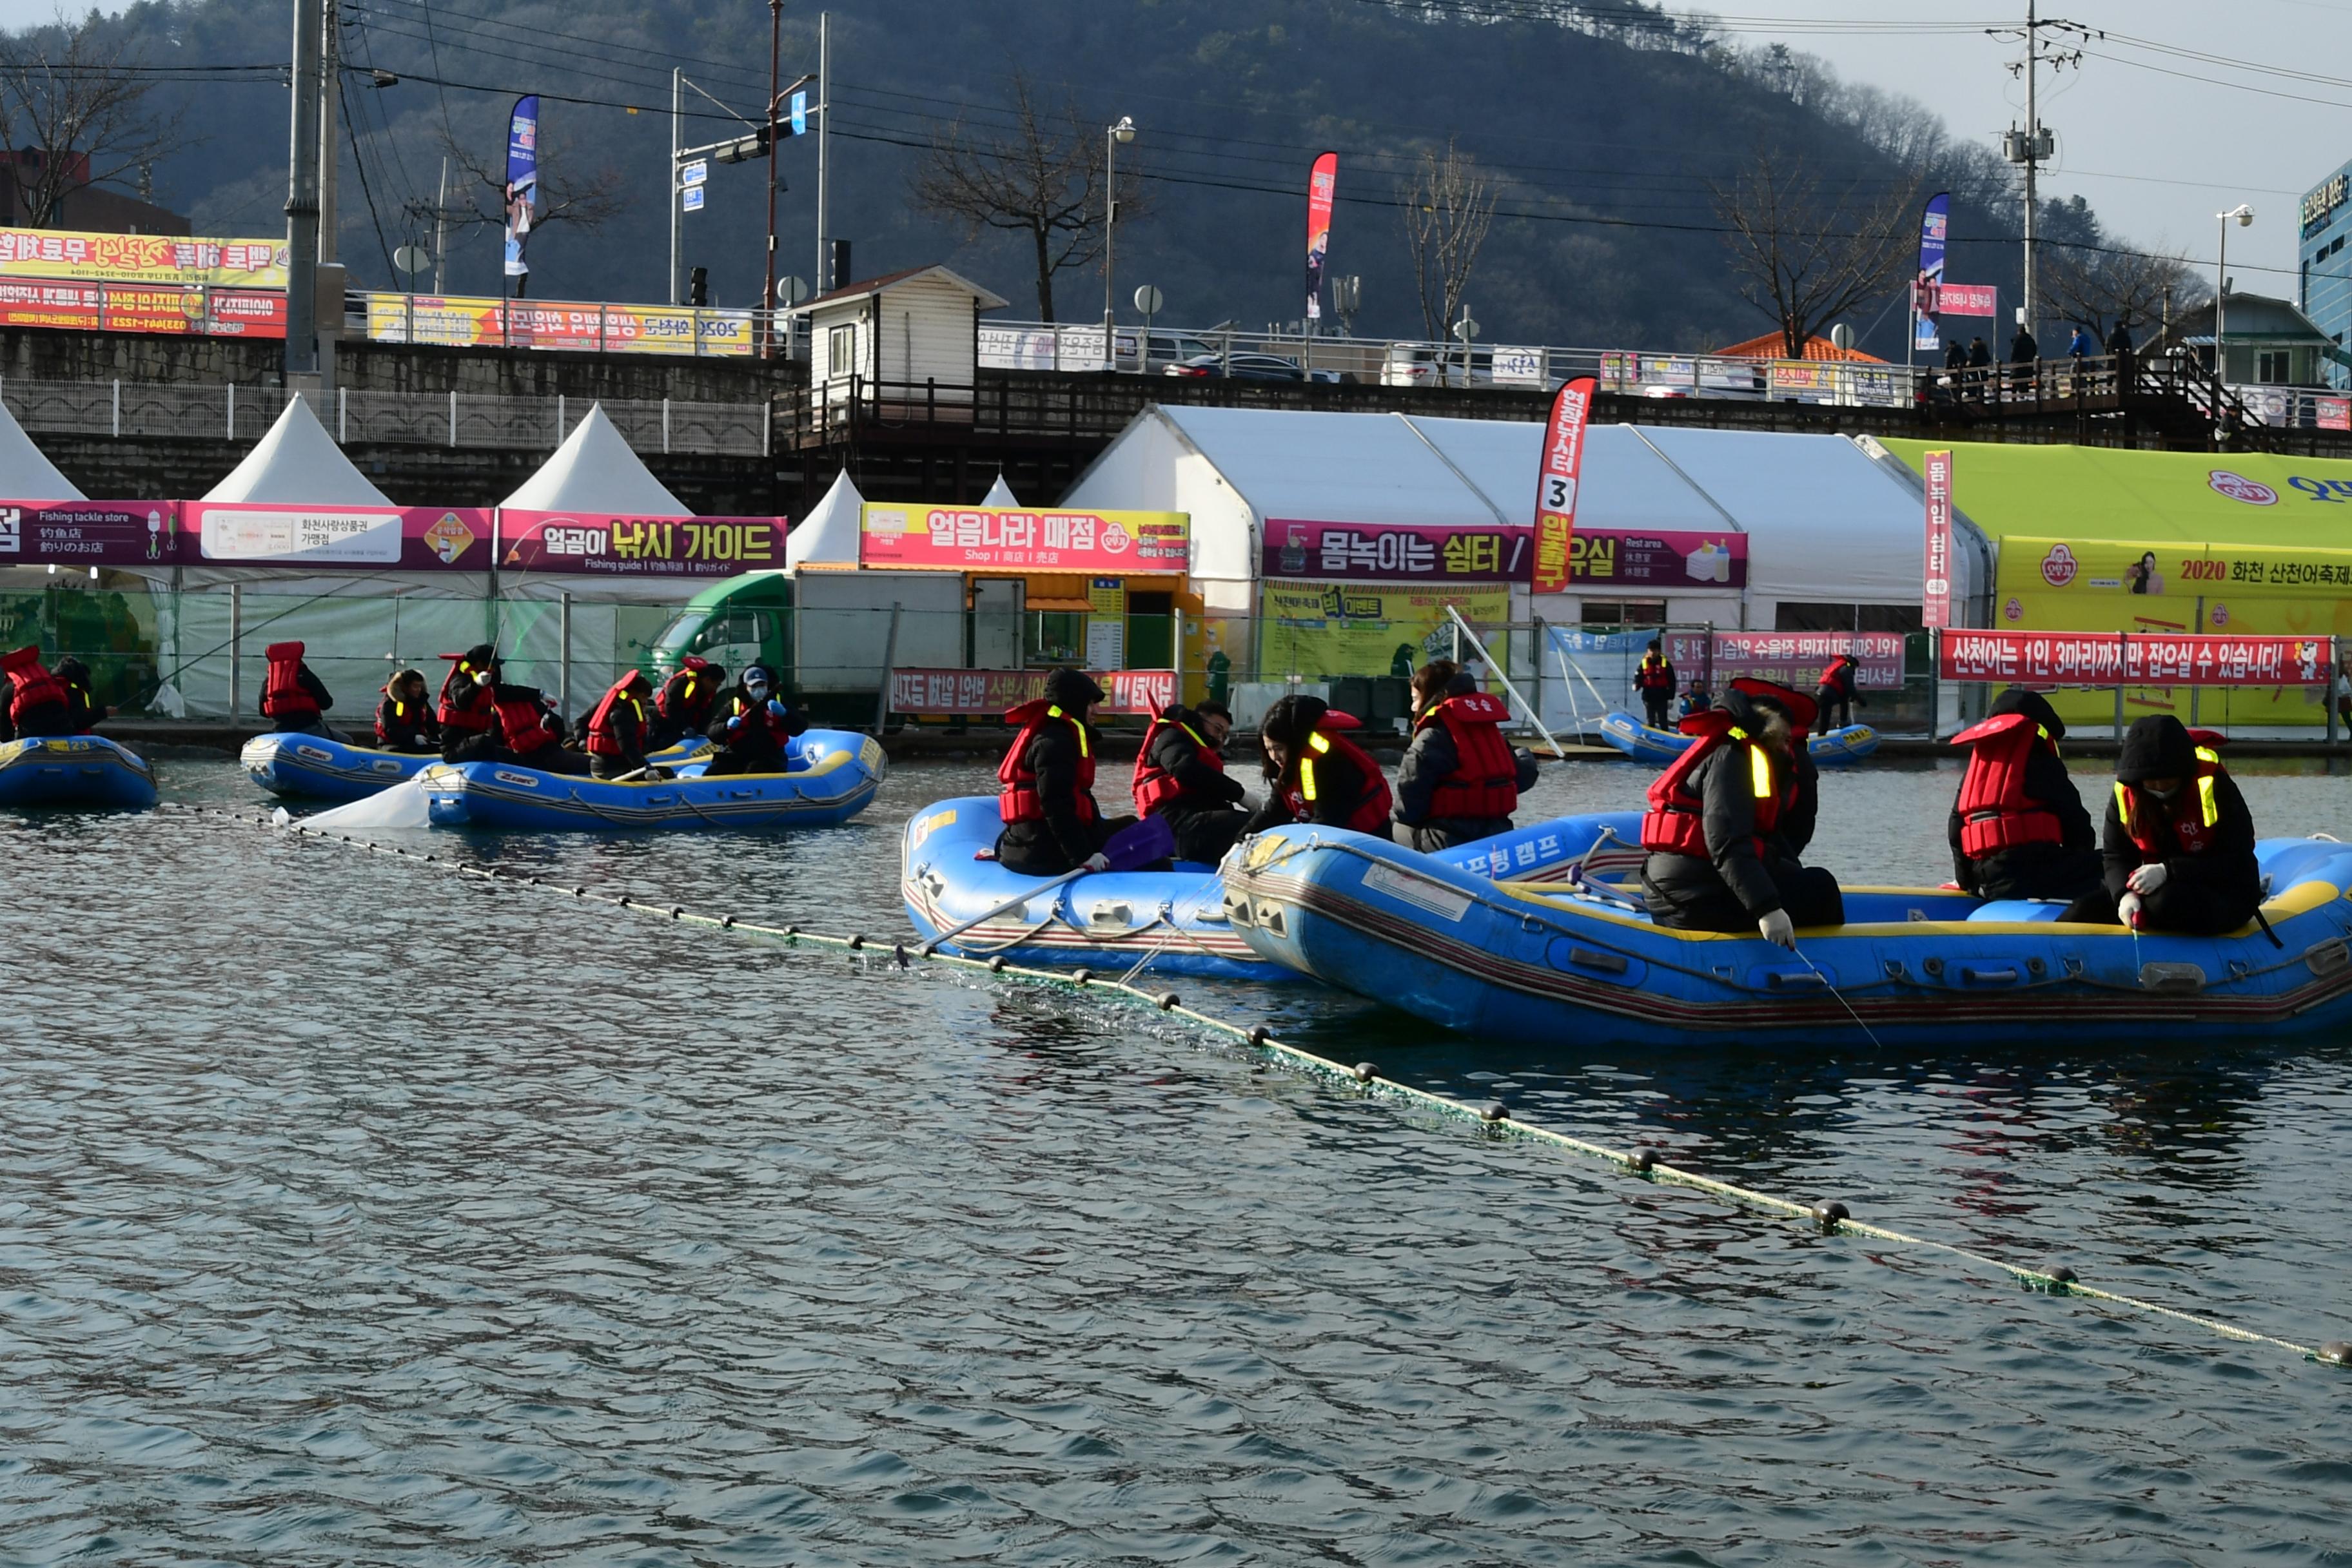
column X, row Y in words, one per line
column 889, row 280
column 25, row 472
column 1770, row 344
column 2252, row 318
column 828, row 536
column 298, row 463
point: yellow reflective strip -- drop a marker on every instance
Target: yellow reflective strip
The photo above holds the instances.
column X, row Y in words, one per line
column 2208, row 755
column 1759, row 772
column 1084, row 748
column 1315, row 741
column 1306, row 777
column 2123, row 803
column 2205, row 800
column 1737, row 733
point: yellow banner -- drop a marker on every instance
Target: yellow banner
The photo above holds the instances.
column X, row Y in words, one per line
column 141, row 258
column 2098, row 585
column 487, row 321
column 1320, row 630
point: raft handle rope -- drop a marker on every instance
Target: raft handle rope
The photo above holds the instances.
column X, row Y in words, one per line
column 1833, row 1216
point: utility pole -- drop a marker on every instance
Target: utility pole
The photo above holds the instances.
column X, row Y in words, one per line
column 2033, row 145
column 303, row 205
column 331, row 104
column 441, row 231
column 775, row 80
column 677, row 215
column 825, row 282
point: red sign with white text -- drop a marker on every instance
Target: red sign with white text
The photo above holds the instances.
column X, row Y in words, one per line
column 1556, row 482
column 2114, row 659
column 1795, row 659
column 943, row 694
column 1936, row 600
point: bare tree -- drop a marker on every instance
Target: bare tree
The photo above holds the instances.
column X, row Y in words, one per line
column 1808, row 250
column 73, row 113
column 1447, row 205
column 1043, row 179
column 586, row 202
column 2096, row 289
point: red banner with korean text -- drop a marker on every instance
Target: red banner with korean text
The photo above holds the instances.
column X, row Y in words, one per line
column 1936, row 596
column 1556, row 481
column 1794, row 659
column 1010, row 539
column 2131, row 659
column 606, row 544
column 1392, row 553
column 946, row 693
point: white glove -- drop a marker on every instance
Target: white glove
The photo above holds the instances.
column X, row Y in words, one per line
column 484, row 678
column 1779, row 930
column 1098, row 861
column 2127, row 910
column 2147, row 880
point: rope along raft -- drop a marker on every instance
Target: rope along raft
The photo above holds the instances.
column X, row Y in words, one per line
column 1832, row 1217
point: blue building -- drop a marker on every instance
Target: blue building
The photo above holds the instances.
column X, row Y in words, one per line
column 2325, row 289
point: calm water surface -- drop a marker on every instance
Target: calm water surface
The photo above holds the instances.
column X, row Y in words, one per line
column 351, row 1213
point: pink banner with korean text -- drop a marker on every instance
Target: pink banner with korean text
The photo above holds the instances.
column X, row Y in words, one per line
column 1657, row 558
column 946, row 693
column 1396, row 552
column 90, row 533
column 2121, row 658
column 1006, row 539
column 368, row 538
column 1794, row 659
column 606, row 544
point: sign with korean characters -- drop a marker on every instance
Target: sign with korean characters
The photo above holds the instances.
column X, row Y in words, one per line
column 89, row 532
column 1319, row 630
column 1008, row 538
column 941, row 693
column 1395, row 552
column 606, row 544
column 1656, row 558
column 2093, row 658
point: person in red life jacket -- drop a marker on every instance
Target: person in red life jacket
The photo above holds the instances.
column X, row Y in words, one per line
column 82, row 710
column 751, row 726
column 1180, row 773
column 294, row 699
column 404, row 720
column 467, row 711
column 530, row 733
column 686, row 703
column 1654, row 679
column 2017, row 828
column 1727, row 822
column 1460, row 780
column 1046, row 783
column 36, row 703
column 2178, row 848
column 1835, row 695
column 616, row 734
column 1319, row 774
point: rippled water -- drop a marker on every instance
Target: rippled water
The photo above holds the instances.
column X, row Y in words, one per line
column 350, row 1212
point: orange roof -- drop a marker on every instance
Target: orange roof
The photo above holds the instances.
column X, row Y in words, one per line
column 1769, row 346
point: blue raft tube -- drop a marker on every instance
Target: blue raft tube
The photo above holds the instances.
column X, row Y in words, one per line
column 1112, row 921
column 89, row 771
column 833, row 777
column 1911, row 965
column 314, row 767
column 1645, row 743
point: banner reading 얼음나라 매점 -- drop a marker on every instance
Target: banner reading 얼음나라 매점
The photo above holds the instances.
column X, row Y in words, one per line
column 1322, row 180
column 605, row 545
column 1014, row 538
column 1557, row 476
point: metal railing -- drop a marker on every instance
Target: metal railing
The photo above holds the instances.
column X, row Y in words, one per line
column 227, row 411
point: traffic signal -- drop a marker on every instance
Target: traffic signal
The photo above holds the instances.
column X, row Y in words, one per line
column 697, row 286
column 743, row 149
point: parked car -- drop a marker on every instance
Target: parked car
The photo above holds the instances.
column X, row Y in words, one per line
column 1170, row 348
column 1248, row 367
column 1436, row 365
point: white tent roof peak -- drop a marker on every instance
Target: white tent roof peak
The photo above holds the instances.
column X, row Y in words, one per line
column 594, row 470
column 827, row 537
column 1000, row 494
column 25, row 473
column 298, row 463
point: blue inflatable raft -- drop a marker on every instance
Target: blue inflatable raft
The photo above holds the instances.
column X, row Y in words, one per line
column 88, row 771
column 1645, row 745
column 1919, row 966
column 834, row 774
column 1111, row 921
column 311, row 767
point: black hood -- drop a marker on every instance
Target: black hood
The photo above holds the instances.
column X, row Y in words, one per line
column 1463, row 684
column 2155, row 747
column 1745, row 710
column 2033, row 705
column 1072, row 688
column 1291, row 719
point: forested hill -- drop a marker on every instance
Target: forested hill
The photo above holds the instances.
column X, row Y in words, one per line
column 1604, row 127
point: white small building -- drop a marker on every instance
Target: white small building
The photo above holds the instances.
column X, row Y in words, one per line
column 907, row 338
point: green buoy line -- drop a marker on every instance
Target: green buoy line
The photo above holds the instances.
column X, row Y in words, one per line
column 1832, row 1217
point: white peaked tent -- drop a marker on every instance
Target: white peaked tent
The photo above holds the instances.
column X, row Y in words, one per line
column 1000, row 493
column 25, row 473
column 298, row 463
column 596, row 471
column 827, row 537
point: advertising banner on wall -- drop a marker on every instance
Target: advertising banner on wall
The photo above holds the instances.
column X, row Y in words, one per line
column 89, row 532
column 1558, row 471
column 945, row 693
column 2090, row 658
column 468, row 321
column 74, row 256
column 1394, row 553
column 142, row 308
column 607, row 544
column 1795, row 659
column 1319, row 630
column 1006, row 539
column 413, row 538
column 1656, row 558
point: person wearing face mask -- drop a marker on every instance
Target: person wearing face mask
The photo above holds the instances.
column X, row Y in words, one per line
column 468, row 709
column 2178, row 846
column 751, row 727
column 1727, row 822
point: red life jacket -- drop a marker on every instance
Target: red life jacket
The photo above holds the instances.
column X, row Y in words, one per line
column 1371, row 811
column 1830, row 672
column 1996, row 814
column 524, row 722
column 400, row 707
column 1153, row 786
column 604, row 739
column 1018, row 798
column 2189, row 820
column 1676, row 823
column 1485, row 782
column 681, row 696
column 464, row 705
column 282, row 695
column 30, row 685
column 741, row 707
column 1655, row 675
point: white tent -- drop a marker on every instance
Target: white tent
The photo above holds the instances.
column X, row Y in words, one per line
column 827, row 537
column 594, row 470
column 1000, row 494
column 298, row 463
column 25, row 474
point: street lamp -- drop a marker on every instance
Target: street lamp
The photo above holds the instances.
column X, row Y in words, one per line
column 1114, row 137
column 2244, row 214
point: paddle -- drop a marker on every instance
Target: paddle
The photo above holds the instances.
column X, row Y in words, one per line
column 1128, row 848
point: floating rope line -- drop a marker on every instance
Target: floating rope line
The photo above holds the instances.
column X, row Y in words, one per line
column 1830, row 1217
